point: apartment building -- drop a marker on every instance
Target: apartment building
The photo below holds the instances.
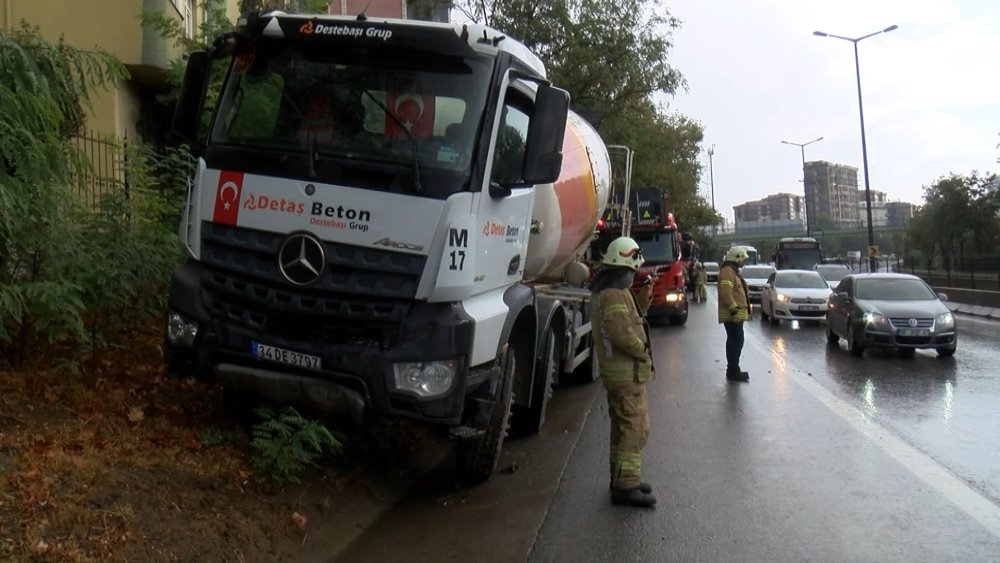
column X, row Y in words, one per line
column 776, row 212
column 879, row 211
column 832, row 191
column 431, row 11
column 899, row 213
column 114, row 26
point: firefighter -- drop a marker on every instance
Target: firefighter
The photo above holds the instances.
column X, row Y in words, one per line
column 700, row 284
column 734, row 310
column 621, row 344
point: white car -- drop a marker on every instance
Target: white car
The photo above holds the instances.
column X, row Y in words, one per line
column 756, row 275
column 832, row 273
column 799, row 295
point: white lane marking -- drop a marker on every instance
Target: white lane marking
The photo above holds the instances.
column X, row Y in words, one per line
column 980, row 508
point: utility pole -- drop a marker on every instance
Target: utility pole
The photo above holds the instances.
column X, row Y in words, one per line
column 711, row 183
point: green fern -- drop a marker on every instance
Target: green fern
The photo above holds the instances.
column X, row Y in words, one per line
column 287, row 444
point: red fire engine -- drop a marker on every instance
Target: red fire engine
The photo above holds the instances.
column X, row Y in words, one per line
column 649, row 221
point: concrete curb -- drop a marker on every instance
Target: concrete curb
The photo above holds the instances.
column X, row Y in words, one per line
column 974, row 310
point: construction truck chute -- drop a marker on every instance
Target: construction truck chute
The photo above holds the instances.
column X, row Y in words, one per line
column 385, row 221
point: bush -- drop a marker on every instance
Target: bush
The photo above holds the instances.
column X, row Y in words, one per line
column 287, row 444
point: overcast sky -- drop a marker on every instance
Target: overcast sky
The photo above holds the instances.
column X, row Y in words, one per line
column 757, row 75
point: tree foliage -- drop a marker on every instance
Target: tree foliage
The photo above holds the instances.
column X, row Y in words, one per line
column 613, row 59
column 69, row 274
column 960, row 218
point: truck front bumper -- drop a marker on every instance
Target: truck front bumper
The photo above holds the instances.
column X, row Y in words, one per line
column 358, row 360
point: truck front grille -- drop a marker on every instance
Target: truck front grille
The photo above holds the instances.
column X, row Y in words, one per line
column 360, row 287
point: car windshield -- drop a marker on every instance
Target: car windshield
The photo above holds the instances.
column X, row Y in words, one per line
column 802, row 280
column 381, row 109
column 894, row 289
column 711, row 267
column 833, row 273
column 757, row 272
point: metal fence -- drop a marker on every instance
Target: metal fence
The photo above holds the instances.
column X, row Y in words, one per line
column 980, row 272
column 108, row 162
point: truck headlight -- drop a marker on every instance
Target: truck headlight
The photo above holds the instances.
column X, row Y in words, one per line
column 673, row 297
column 181, row 330
column 945, row 321
column 425, row 379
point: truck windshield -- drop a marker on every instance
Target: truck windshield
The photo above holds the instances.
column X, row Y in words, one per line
column 331, row 109
column 657, row 248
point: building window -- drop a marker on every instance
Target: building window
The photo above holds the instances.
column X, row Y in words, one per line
column 188, row 15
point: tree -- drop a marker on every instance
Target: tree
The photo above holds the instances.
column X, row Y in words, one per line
column 611, row 56
column 43, row 89
column 959, row 218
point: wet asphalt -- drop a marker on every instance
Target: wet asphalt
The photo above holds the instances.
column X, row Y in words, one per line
column 820, row 457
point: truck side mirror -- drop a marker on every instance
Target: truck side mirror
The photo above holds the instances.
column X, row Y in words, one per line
column 187, row 114
column 543, row 149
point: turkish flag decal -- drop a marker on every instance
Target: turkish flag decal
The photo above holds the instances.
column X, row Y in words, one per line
column 415, row 110
column 227, row 197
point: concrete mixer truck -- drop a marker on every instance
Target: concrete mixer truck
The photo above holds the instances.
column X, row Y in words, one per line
column 385, row 220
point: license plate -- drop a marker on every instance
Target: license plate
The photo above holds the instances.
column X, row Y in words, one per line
column 265, row 352
column 809, row 307
column 914, row 332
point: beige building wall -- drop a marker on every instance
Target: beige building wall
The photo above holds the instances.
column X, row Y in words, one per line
column 113, row 26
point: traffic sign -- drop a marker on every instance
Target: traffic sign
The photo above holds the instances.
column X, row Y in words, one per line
column 872, row 251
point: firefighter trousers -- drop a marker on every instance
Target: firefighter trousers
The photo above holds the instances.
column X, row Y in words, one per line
column 629, row 413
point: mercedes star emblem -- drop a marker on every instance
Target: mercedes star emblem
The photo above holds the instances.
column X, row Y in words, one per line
column 301, row 259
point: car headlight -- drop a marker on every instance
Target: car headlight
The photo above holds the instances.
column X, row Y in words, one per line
column 781, row 298
column 425, row 379
column 945, row 321
column 181, row 330
column 876, row 319
column 673, row 297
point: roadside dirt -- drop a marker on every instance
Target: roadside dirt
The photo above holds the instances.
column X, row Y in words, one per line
column 122, row 464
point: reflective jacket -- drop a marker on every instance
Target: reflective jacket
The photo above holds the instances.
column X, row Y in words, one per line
column 734, row 299
column 620, row 338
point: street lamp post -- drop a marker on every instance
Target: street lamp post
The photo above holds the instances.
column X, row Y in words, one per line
column 711, row 182
column 872, row 261
column 809, row 209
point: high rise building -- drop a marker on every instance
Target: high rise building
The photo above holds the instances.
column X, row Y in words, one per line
column 832, row 192
column 879, row 217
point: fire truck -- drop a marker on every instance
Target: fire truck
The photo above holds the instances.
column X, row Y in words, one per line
column 647, row 219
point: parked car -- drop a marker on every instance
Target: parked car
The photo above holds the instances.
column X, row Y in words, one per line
column 794, row 295
column 832, row 273
column 890, row 311
column 756, row 276
column 712, row 269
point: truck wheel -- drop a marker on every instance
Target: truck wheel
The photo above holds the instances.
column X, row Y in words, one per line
column 680, row 319
column 478, row 457
column 588, row 371
column 529, row 420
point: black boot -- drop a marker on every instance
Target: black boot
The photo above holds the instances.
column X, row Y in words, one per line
column 643, row 486
column 632, row 497
column 737, row 375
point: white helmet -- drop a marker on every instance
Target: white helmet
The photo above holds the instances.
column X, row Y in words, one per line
column 624, row 251
column 737, row 254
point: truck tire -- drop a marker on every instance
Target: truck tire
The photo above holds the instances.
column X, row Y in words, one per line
column 478, row 457
column 588, row 371
column 529, row 420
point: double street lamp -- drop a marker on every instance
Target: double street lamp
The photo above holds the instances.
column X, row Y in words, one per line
column 805, row 187
column 872, row 261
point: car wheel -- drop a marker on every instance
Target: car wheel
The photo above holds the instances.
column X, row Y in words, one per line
column 763, row 312
column 854, row 346
column 831, row 337
column 946, row 352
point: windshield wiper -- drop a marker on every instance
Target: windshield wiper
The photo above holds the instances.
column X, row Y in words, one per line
column 417, row 188
column 310, row 132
